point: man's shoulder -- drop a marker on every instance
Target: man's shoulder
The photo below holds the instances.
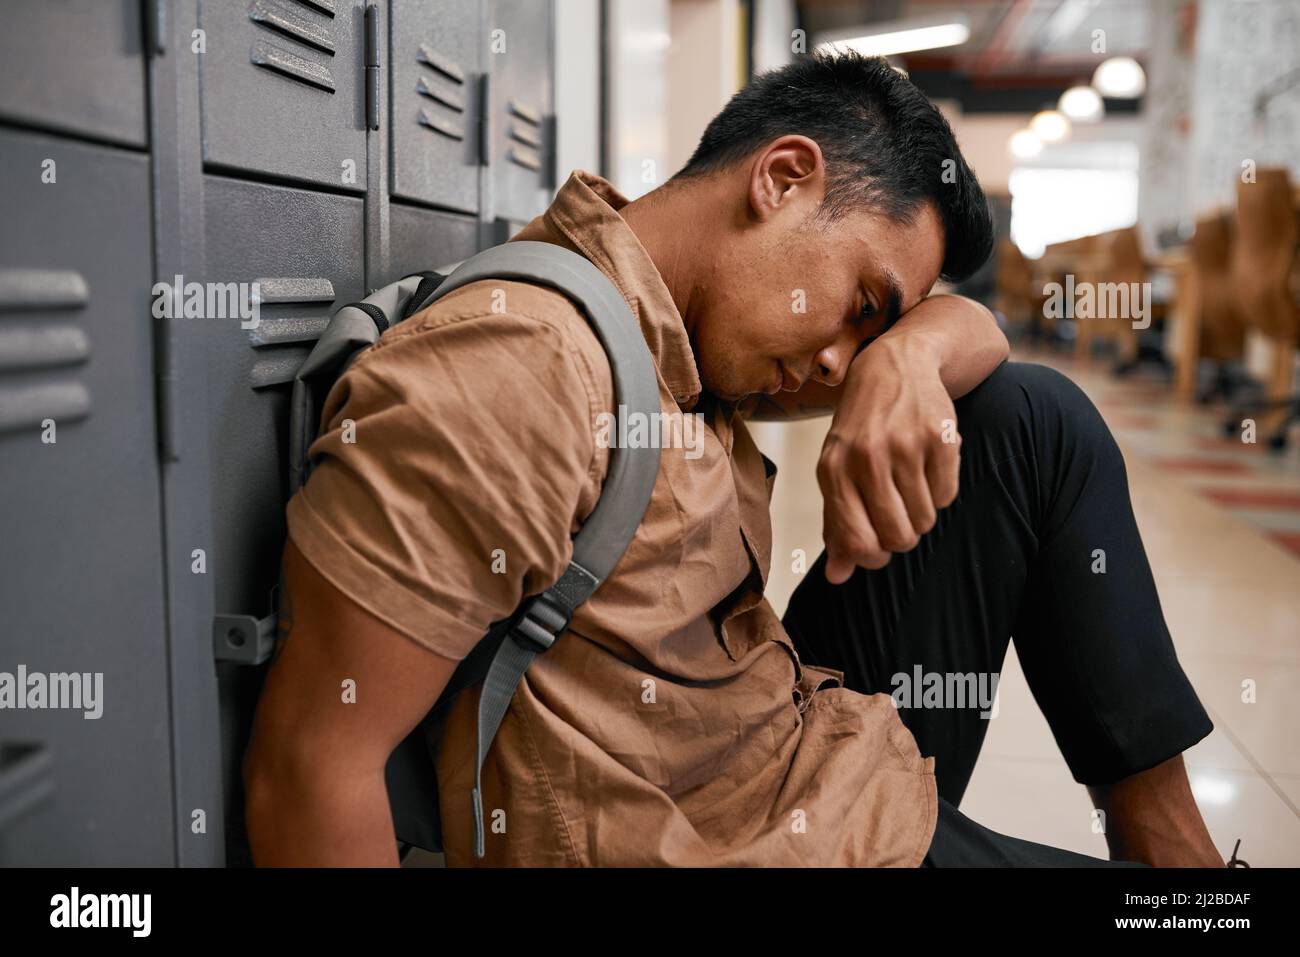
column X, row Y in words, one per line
column 502, row 302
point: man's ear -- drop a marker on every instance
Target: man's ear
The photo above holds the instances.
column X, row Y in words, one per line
column 787, row 173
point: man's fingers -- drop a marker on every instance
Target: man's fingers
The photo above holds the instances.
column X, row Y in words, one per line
column 942, row 469
column 913, row 486
column 850, row 538
column 885, row 505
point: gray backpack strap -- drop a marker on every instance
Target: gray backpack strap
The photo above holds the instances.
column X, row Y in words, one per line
column 624, row 496
column 350, row 329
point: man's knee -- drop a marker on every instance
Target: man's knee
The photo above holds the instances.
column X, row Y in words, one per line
column 1025, row 394
column 1023, row 408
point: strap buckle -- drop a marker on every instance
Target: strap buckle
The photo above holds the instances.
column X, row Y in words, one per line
column 544, row 620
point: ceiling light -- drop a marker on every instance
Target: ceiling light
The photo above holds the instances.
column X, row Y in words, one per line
column 1082, row 104
column 898, row 36
column 1121, row 77
column 1025, row 144
column 1050, row 126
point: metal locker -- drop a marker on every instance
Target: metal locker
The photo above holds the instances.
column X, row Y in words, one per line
column 304, row 252
column 424, row 239
column 520, row 111
column 435, row 65
column 283, row 89
column 80, row 530
column 75, row 66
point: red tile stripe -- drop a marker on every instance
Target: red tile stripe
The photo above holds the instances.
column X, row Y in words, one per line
column 1271, row 499
column 1192, row 464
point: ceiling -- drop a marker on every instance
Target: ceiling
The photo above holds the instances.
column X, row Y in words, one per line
column 1021, row 53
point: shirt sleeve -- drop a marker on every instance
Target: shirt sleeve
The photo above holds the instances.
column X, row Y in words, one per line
column 453, row 465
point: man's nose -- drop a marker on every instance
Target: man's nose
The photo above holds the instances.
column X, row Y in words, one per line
column 831, row 364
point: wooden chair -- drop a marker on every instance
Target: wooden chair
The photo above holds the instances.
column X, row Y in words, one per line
column 1221, row 331
column 1263, row 261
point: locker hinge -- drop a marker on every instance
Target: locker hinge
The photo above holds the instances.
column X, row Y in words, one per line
column 551, row 175
column 485, row 119
column 155, row 24
column 372, row 67
column 165, row 405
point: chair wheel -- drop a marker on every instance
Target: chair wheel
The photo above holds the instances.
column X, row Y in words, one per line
column 1277, row 442
column 1230, row 429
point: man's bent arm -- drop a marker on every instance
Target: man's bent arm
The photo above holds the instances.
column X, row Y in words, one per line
column 953, row 334
column 314, row 770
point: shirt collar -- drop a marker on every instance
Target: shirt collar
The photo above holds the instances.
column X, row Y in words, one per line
column 584, row 217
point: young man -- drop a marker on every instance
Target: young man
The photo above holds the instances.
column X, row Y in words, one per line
column 677, row 722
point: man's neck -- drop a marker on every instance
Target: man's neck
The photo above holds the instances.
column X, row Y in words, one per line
column 674, row 228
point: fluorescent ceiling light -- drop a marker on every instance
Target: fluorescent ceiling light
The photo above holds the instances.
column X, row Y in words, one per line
column 899, row 36
column 1121, row 77
column 1050, row 126
column 1082, row 104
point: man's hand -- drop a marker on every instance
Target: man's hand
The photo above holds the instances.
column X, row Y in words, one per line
column 892, row 456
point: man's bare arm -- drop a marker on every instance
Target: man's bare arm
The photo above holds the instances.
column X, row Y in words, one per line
column 957, row 334
column 314, row 770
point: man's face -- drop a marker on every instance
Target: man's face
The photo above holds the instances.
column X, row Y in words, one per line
column 795, row 297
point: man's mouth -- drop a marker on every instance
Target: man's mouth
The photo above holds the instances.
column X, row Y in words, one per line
column 789, row 381
column 778, row 379
column 784, row 380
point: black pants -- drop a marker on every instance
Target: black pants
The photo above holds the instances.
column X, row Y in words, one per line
column 1041, row 545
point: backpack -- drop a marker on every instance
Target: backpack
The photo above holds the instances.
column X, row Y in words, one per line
column 503, row 655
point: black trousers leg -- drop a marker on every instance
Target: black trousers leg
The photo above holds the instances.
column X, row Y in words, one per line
column 1040, row 546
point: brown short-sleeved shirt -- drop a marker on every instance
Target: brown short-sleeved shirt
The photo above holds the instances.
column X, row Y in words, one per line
column 673, row 724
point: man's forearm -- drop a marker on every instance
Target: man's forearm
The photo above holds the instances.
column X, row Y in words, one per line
column 955, row 335
column 320, row 819
column 964, row 338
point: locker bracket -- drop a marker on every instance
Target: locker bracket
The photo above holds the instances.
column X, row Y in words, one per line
column 243, row 639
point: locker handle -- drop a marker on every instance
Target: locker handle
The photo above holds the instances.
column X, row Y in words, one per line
column 26, row 779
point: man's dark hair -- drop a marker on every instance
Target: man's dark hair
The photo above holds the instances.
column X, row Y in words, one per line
column 884, row 144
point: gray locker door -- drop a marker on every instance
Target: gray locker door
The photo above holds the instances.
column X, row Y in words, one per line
column 75, row 66
column 282, row 89
column 304, row 250
column 423, row 239
column 80, row 527
column 520, row 110
column 435, row 80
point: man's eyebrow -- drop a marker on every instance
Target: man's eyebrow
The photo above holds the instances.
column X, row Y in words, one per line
column 893, row 309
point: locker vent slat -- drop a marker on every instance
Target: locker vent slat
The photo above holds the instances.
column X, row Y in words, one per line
column 448, row 68
column 286, row 331
column 442, row 126
column 25, row 407
column 295, row 289
column 292, row 66
column 272, row 16
column 42, row 289
column 448, row 99
column 42, row 347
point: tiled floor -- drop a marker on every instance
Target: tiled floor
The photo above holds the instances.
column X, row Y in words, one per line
column 1221, row 523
